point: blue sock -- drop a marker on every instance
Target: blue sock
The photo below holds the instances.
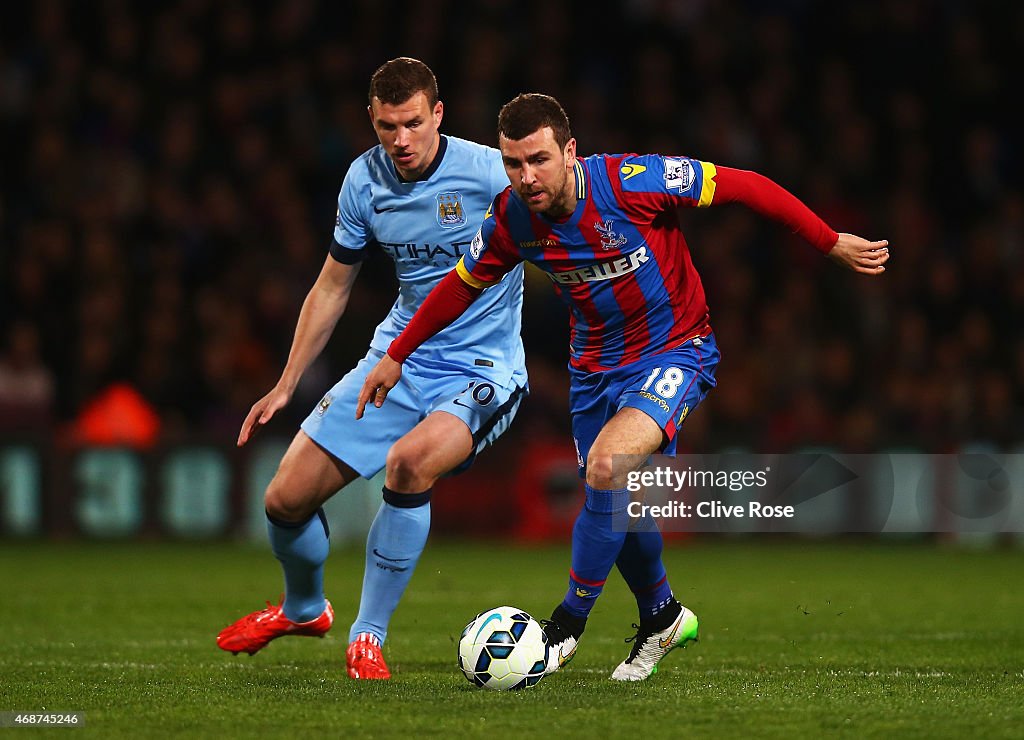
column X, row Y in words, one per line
column 302, row 550
column 595, row 546
column 393, row 546
column 641, row 566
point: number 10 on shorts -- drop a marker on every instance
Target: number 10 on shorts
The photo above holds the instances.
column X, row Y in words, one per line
column 483, row 393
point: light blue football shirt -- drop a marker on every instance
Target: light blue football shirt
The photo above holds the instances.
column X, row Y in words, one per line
column 425, row 226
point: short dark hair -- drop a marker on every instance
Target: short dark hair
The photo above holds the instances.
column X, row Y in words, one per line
column 396, row 81
column 531, row 112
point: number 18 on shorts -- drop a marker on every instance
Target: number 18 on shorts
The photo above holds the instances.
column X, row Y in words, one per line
column 667, row 387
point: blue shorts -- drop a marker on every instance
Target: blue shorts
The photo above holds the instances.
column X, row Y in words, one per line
column 666, row 387
column 486, row 408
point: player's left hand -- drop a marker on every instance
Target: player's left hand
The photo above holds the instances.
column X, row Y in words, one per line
column 378, row 384
column 860, row 255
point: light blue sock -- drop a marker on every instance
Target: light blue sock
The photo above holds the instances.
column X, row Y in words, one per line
column 393, row 546
column 302, row 550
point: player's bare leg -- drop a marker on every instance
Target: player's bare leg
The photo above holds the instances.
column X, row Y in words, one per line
column 305, row 479
column 624, row 444
column 437, row 445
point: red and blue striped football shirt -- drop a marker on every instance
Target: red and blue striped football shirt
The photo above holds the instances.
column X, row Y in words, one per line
column 619, row 261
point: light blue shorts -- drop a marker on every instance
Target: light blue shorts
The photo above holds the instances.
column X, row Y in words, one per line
column 485, row 407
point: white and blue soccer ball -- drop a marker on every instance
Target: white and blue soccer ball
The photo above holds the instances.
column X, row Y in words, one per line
column 503, row 648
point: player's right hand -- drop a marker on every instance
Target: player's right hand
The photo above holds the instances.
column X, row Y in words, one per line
column 261, row 412
column 379, row 383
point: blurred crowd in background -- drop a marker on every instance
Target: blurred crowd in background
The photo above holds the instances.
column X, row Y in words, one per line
column 169, row 171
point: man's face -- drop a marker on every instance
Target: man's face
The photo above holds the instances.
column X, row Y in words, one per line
column 408, row 132
column 540, row 171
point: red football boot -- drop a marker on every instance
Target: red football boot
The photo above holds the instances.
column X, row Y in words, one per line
column 364, row 659
column 251, row 634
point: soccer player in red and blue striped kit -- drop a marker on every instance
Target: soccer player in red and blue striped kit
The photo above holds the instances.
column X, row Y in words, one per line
column 642, row 354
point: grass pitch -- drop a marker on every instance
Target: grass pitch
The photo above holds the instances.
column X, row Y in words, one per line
column 797, row 639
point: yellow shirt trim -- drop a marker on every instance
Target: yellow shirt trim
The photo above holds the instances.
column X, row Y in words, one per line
column 707, row 190
column 467, row 278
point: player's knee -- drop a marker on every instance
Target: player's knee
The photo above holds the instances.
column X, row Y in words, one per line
column 601, row 473
column 283, row 504
column 405, row 470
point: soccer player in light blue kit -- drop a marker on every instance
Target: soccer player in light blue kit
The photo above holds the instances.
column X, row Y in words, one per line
column 420, row 197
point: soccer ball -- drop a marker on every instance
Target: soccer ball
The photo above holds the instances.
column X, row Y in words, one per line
column 503, row 648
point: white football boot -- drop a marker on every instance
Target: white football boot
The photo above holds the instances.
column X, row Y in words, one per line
column 650, row 647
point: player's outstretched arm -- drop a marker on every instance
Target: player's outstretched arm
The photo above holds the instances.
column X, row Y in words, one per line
column 861, row 255
column 324, row 305
column 772, row 200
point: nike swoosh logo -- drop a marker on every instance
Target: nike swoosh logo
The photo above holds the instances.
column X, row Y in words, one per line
column 631, row 170
column 489, row 212
column 666, row 641
column 486, row 622
column 563, row 658
column 385, row 557
column 381, row 210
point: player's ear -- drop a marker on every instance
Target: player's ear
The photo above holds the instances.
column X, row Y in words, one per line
column 438, row 112
column 570, row 150
column 369, row 112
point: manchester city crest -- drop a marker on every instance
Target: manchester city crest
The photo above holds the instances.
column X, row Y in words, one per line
column 325, row 403
column 450, row 212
